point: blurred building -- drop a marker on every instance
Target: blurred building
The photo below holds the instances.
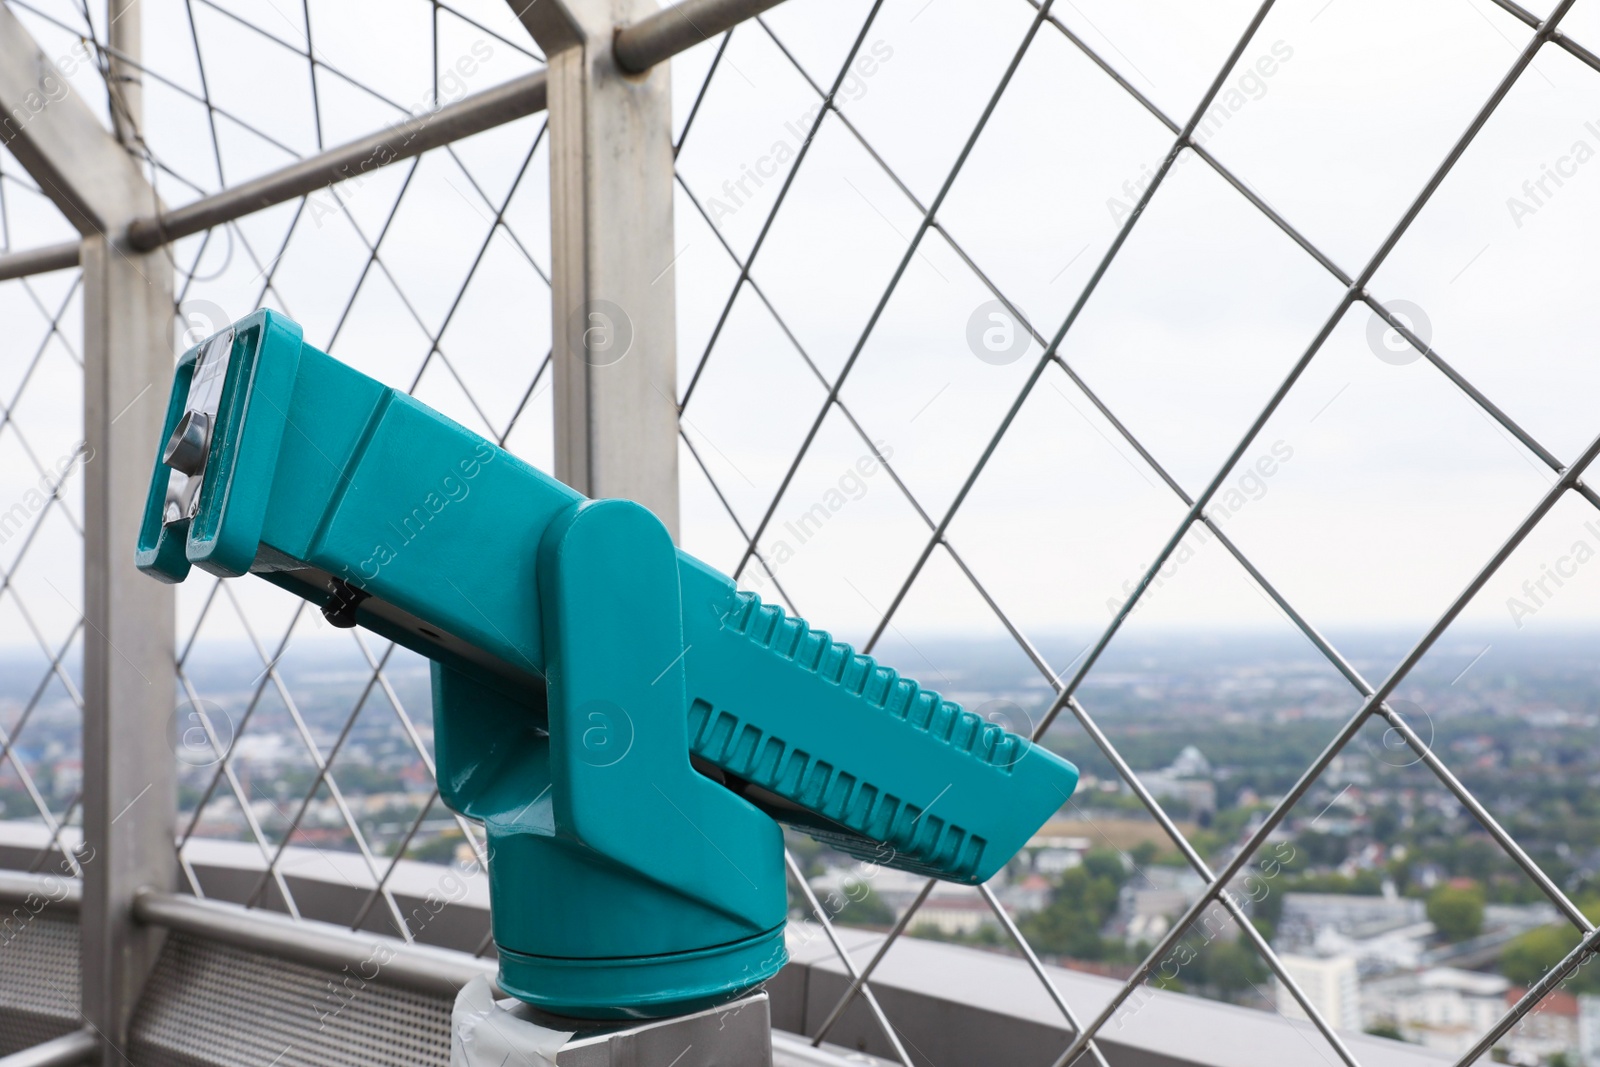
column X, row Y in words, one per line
column 1588, row 1026
column 1306, row 915
column 1188, row 779
column 1551, row 1028
column 1441, row 1008
column 1329, row 983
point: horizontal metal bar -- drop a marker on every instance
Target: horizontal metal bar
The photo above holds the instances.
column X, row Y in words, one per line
column 404, row 140
column 80, row 1046
column 38, row 260
column 24, row 890
column 679, row 28
column 423, row 968
column 638, row 48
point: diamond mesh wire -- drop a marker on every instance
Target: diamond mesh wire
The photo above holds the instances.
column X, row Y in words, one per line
column 41, row 451
column 441, row 377
column 368, row 221
column 490, row 202
column 1375, row 698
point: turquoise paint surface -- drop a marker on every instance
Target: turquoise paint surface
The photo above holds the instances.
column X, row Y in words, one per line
column 628, row 726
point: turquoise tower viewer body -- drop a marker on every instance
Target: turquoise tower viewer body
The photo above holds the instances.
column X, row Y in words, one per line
column 629, row 727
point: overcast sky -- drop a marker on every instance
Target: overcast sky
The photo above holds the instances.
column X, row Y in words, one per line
column 1370, row 498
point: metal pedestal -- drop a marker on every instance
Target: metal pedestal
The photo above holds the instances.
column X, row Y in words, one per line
column 735, row 1035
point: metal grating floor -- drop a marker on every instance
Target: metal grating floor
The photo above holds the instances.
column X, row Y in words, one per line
column 210, row 1005
column 38, row 979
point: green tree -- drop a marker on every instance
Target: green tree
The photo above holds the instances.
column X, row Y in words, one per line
column 807, row 852
column 1361, row 883
column 1106, row 863
column 1385, row 825
column 1323, row 850
column 1530, row 955
column 1456, row 911
column 1232, row 968
column 1145, row 853
column 863, row 907
column 986, row 936
column 1084, row 899
column 441, row 849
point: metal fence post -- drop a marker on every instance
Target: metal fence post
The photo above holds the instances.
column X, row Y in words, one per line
column 129, row 798
column 614, row 326
column 125, row 34
column 129, row 777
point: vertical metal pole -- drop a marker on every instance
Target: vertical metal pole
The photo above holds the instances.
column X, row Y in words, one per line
column 130, row 799
column 126, row 37
column 615, row 354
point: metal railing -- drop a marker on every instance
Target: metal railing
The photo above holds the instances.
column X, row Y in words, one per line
column 1375, row 698
column 212, row 214
column 992, row 1009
